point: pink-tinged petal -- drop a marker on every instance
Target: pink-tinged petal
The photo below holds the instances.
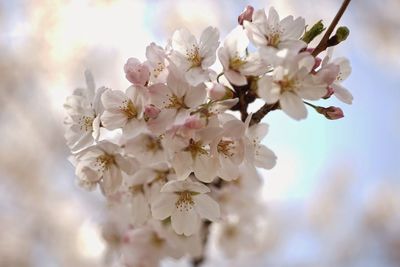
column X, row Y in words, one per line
column 268, row 90
column 136, row 72
column 186, row 185
column 163, row 122
column 265, row 157
column 185, row 221
column 293, row 105
column 182, row 164
column 235, row 77
column 206, row 207
column 163, row 206
column 112, row 179
column 205, row 168
column 209, row 134
column 112, row 121
column 234, row 129
column 129, row 165
column 247, row 14
column 342, row 94
column 159, row 95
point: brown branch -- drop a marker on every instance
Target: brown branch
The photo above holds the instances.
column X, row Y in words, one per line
column 264, row 110
column 323, row 44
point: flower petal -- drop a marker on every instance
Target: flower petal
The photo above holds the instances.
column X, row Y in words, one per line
column 293, row 106
column 206, row 207
column 163, row 206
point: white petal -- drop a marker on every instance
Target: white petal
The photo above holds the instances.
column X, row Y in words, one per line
column 113, row 120
column 140, row 209
column 186, row 185
column 185, row 221
column 293, row 106
column 112, row 180
column 205, row 168
column 265, row 157
column 129, row 165
column 163, row 206
column 182, row 164
column 268, row 90
column 235, row 77
column 206, row 207
column 228, row 170
column 195, row 96
column 342, row 93
column 112, row 99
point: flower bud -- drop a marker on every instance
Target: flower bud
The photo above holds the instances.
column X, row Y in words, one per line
column 220, row 92
column 136, row 72
column 151, row 112
column 193, row 122
column 315, row 30
column 341, row 34
column 331, row 113
column 247, row 14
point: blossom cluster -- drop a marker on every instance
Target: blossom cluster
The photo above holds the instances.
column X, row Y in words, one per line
column 170, row 155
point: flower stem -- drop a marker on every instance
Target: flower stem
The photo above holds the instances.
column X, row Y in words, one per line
column 323, row 44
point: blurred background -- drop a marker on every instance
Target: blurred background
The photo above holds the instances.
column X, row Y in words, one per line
column 332, row 200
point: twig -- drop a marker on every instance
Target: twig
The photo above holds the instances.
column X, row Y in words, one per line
column 264, row 110
column 323, row 44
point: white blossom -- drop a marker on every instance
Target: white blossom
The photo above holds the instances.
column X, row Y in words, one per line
column 186, row 202
column 195, row 57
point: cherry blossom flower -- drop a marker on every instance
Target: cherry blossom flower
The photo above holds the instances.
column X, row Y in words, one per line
column 123, row 110
column 257, row 153
column 84, row 109
column 186, row 202
column 271, row 31
column 237, row 63
column 343, row 71
column 147, row 148
column 175, row 100
column 103, row 164
column 290, row 82
column 157, row 62
column 192, row 57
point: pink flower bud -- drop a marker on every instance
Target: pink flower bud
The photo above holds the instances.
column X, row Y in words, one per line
column 220, row 92
column 151, row 112
column 193, row 123
column 329, row 93
column 247, row 14
column 217, row 92
column 136, row 72
column 334, row 113
column 331, row 113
